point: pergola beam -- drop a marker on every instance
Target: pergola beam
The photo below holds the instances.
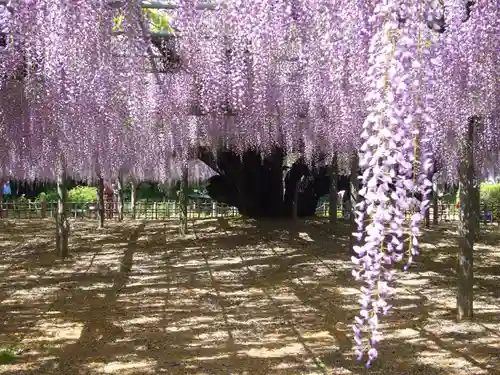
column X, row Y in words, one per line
column 146, row 5
column 158, row 34
column 158, row 5
column 161, row 5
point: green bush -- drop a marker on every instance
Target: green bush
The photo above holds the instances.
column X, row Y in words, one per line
column 9, row 354
column 75, row 195
column 490, row 196
column 48, row 196
column 82, row 194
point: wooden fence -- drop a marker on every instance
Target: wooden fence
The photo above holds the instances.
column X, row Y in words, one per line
column 446, row 212
column 144, row 210
column 154, row 210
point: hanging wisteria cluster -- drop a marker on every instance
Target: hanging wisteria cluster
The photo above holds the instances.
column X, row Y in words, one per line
column 395, row 80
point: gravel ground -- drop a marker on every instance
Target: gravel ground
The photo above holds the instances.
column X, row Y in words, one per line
column 233, row 297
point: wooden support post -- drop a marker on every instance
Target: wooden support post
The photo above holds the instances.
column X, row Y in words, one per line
column 354, row 185
column 334, row 191
column 465, row 275
column 100, row 202
column 121, row 196
column 183, row 201
column 353, row 193
column 44, row 208
column 435, row 203
column 133, row 197
column 295, row 204
column 476, row 208
column 62, row 223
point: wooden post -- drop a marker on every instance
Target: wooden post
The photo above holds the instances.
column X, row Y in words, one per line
column 295, row 205
column 44, row 208
column 133, row 197
column 333, row 194
column 435, row 203
column 432, row 194
column 100, row 202
column 62, row 223
column 427, row 217
column 476, row 208
column 353, row 193
column 465, row 275
column 121, row 196
column 183, row 201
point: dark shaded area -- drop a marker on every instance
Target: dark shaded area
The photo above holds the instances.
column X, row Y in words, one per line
column 468, row 8
column 262, row 186
column 31, row 189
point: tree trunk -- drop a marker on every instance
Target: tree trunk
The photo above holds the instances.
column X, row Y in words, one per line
column 183, row 202
column 121, row 200
column 133, row 197
column 465, row 276
column 100, row 203
column 62, row 223
column 333, row 194
column 253, row 182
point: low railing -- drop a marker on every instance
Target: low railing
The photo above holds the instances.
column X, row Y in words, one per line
column 162, row 210
column 446, row 212
column 143, row 210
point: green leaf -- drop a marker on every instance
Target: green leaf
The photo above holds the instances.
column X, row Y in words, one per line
column 118, row 23
column 160, row 21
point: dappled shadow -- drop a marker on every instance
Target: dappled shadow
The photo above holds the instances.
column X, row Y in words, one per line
column 236, row 297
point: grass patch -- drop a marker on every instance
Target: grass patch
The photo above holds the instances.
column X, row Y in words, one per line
column 9, row 354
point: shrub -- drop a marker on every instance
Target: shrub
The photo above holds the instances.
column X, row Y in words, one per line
column 82, row 194
column 490, row 196
column 78, row 194
column 9, row 354
column 49, row 196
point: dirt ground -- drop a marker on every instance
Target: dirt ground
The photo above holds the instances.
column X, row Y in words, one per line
column 234, row 297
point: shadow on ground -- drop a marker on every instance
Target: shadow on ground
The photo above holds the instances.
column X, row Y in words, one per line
column 233, row 297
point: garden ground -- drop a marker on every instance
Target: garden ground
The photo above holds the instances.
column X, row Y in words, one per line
column 234, row 297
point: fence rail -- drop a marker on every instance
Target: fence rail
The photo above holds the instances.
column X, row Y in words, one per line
column 446, row 212
column 143, row 210
column 152, row 210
